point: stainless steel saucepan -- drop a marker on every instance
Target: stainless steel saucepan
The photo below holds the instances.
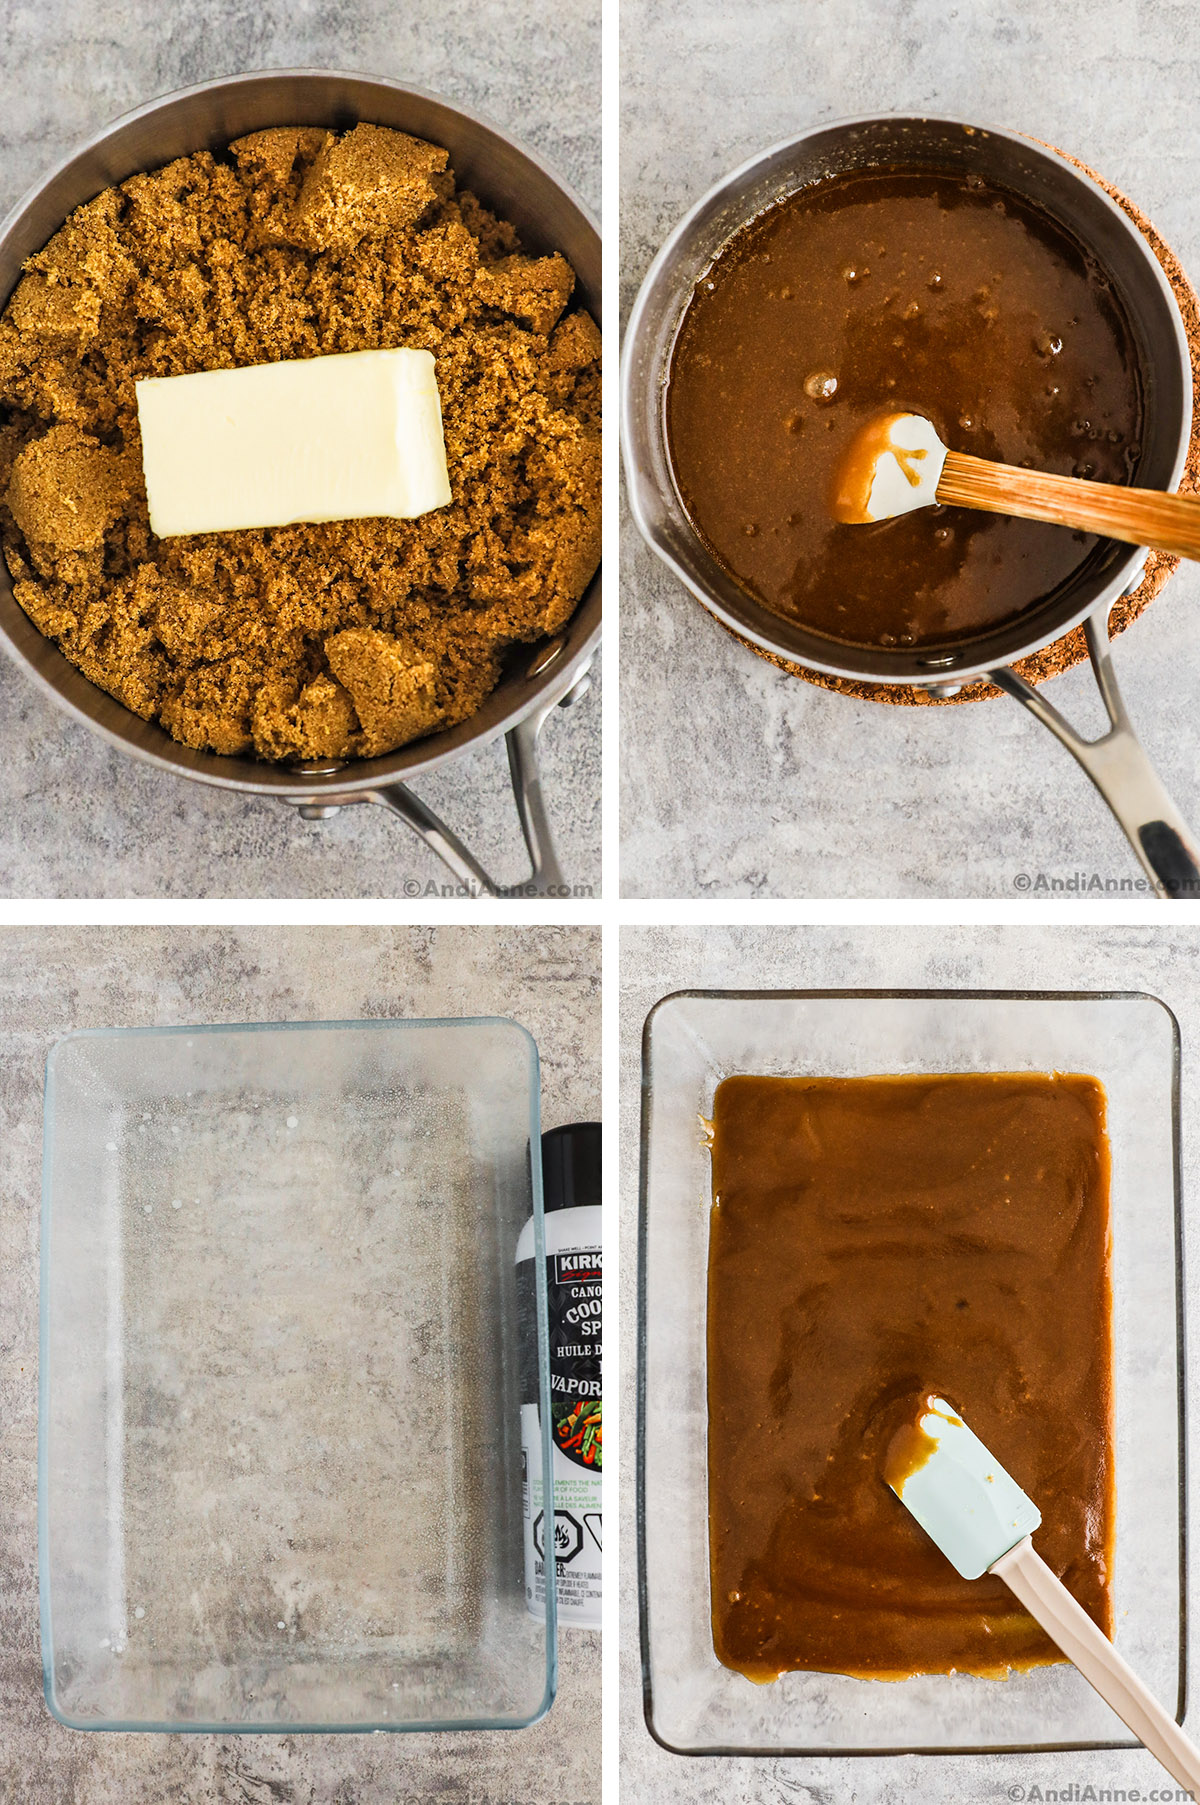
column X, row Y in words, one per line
column 1116, row 762
column 549, row 217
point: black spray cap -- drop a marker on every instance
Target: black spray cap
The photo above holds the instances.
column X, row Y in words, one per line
column 571, row 1166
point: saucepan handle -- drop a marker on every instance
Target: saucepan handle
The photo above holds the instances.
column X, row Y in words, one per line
column 1121, row 771
column 545, row 877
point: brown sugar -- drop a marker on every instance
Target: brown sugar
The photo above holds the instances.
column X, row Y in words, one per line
column 67, row 489
column 342, row 639
column 394, row 690
column 372, row 180
column 536, row 292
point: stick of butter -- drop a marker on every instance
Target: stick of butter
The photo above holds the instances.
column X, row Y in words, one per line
column 319, row 438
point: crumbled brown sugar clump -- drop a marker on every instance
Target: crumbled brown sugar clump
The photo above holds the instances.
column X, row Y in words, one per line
column 336, row 640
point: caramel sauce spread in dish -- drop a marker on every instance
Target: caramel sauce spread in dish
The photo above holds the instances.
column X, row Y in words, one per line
column 873, row 1241
column 889, row 290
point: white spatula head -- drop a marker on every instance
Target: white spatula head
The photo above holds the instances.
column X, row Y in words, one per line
column 958, row 1492
column 892, row 466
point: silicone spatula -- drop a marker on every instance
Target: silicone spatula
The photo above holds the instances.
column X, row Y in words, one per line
column 897, row 463
column 982, row 1521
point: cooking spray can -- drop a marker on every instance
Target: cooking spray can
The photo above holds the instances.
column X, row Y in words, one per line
column 571, row 1187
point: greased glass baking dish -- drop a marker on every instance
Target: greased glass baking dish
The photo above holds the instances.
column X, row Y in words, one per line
column 692, row 1041
column 280, row 1476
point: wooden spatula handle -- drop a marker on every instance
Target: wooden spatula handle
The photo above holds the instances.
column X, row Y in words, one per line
column 1068, row 1625
column 1170, row 523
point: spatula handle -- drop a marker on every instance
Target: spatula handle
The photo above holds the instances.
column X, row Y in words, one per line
column 1068, row 1625
column 1170, row 523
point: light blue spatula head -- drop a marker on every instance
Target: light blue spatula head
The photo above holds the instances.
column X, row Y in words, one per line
column 958, row 1492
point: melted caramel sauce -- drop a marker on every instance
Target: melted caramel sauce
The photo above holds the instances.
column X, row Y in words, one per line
column 874, row 1241
column 893, row 290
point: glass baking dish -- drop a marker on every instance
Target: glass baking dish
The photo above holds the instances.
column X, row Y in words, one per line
column 692, row 1041
column 280, row 1472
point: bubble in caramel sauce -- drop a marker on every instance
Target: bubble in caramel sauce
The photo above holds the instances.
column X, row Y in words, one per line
column 1047, row 344
column 935, row 280
column 853, row 273
column 912, row 310
column 821, row 385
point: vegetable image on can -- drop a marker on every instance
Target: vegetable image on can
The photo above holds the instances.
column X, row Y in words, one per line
column 571, row 1184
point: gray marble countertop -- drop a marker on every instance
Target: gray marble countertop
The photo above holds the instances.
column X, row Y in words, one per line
column 78, row 818
column 657, row 961
column 805, row 793
column 53, row 980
